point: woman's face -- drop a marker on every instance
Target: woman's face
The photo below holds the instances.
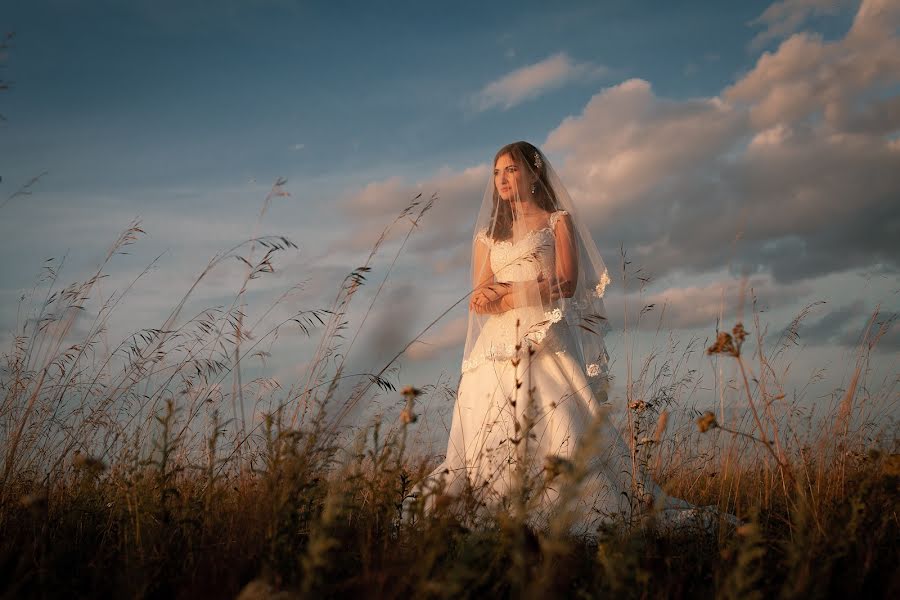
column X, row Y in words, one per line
column 509, row 179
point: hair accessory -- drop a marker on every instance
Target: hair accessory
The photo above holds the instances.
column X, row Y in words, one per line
column 538, row 163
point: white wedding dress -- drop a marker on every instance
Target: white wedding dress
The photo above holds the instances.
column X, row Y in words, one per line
column 565, row 410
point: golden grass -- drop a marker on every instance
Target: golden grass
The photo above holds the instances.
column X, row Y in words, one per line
column 113, row 485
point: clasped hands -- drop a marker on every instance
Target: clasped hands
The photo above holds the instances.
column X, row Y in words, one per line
column 489, row 299
column 495, row 298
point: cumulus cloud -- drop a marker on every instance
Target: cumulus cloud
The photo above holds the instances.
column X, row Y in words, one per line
column 627, row 141
column 808, row 76
column 392, row 325
column 784, row 18
column 787, row 175
column 832, row 326
column 531, row 81
column 450, row 336
column 449, row 223
column 845, row 325
column 791, row 170
column 889, row 324
column 701, row 306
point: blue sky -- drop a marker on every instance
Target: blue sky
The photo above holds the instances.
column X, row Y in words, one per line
column 677, row 126
column 144, row 93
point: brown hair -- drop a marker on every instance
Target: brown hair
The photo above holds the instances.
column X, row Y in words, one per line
column 523, row 155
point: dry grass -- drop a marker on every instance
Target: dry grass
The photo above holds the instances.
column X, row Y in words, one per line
column 120, row 480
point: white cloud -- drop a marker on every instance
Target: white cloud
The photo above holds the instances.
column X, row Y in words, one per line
column 700, row 306
column 628, row 140
column 784, row 18
column 796, row 159
column 449, row 222
column 808, row 76
column 451, row 336
column 531, row 81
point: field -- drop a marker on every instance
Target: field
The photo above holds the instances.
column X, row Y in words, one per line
column 131, row 473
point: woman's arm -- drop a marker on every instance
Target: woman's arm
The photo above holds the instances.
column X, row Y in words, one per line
column 566, row 256
column 483, row 291
column 544, row 291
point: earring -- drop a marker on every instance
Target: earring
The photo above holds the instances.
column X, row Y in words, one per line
column 533, row 188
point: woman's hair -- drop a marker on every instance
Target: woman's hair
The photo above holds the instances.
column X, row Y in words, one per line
column 529, row 160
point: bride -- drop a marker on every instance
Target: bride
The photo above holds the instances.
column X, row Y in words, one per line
column 530, row 428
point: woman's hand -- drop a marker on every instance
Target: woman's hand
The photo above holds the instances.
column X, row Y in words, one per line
column 487, row 300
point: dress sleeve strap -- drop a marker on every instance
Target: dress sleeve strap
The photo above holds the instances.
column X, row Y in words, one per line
column 482, row 236
column 554, row 218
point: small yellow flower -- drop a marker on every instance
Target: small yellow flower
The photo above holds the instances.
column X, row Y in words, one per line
column 411, row 391
column 724, row 344
column 88, row 463
column 707, row 422
column 891, row 466
column 36, row 500
column 557, row 465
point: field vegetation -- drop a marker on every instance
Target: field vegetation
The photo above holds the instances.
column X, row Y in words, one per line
column 137, row 472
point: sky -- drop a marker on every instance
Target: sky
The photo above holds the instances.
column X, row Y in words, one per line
column 723, row 146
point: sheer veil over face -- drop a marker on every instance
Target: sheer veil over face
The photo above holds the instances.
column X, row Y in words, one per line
column 535, row 268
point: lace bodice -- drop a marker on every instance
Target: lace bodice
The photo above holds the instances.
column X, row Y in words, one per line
column 524, row 259
column 513, row 261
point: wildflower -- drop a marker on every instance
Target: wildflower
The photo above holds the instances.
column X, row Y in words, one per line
column 593, row 370
column 36, row 500
column 410, row 391
column 891, row 465
column 88, row 463
column 557, row 465
column 729, row 343
column 707, row 422
column 724, row 345
column 638, row 406
column 407, row 415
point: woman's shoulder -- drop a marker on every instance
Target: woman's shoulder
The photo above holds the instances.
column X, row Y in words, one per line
column 556, row 216
column 482, row 236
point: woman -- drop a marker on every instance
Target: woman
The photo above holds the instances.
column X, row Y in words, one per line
column 529, row 427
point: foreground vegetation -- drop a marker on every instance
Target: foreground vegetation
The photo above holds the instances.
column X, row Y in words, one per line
column 132, row 473
column 165, row 530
